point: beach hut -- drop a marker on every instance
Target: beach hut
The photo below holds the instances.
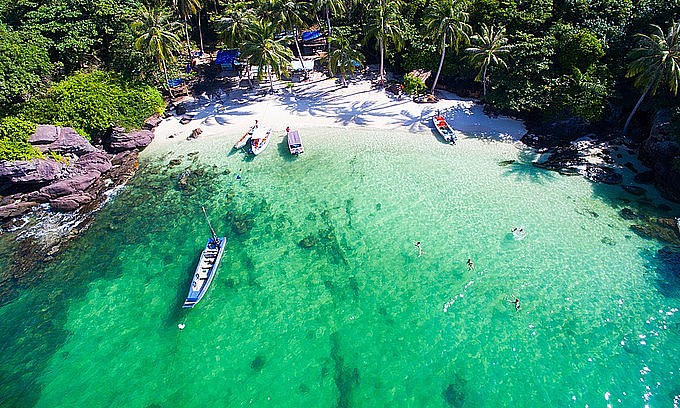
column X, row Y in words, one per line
column 313, row 41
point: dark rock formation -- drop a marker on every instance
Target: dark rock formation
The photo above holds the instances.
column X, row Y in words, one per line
column 97, row 160
column 44, row 134
column 153, row 121
column 71, row 185
column 117, row 140
column 635, row 190
column 68, row 142
column 16, row 209
column 36, row 171
column 661, row 151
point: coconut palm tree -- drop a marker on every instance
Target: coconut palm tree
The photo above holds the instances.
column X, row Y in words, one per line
column 344, row 58
column 234, row 23
column 186, row 9
column 656, row 63
column 486, row 51
column 289, row 14
column 156, row 36
column 386, row 26
column 267, row 53
column 328, row 6
column 447, row 22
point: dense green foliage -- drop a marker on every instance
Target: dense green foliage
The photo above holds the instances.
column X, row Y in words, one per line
column 413, row 85
column 14, row 134
column 91, row 102
column 566, row 57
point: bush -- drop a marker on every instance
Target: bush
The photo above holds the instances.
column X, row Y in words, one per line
column 14, row 134
column 91, row 102
column 413, row 85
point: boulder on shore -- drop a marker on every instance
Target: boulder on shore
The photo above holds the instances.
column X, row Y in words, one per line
column 68, row 142
column 36, row 171
column 97, row 160
column 71, row 185
column 117, row 140
column 70, row 202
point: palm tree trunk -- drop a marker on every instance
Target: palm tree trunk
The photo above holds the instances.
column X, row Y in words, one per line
column 271, row 80
column 382, row 62
column 328, row 22
column 637, row 105
column 200, row 31
column 186, row 33
column 441, row 63
column 167, row 80
column 484, row 78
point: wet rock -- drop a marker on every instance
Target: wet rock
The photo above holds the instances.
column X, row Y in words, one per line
column 631, row 167
column 505, row 162
column 71, row 202
column 604, row 175
column 655, row 231
column 308, row 242
column 175, row 162
column 628, row 214
column 646, row 177
column 635, row 190
column 70, row 186
column 16, row 209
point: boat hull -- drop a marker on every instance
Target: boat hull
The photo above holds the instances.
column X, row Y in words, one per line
column 444, row 129
column 205, row 271
column 259, row 140
column 244, row 139
column 295, row 143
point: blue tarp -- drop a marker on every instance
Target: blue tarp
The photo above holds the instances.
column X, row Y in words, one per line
column 175, row 82
column 311, row 35
column 226, row 56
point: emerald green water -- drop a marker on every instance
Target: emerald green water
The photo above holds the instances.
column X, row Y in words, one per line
column 357, row 319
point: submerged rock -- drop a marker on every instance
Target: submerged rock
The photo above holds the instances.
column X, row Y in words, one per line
column 308, row 242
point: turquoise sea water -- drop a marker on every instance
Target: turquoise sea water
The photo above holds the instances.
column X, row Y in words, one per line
column 357, row 318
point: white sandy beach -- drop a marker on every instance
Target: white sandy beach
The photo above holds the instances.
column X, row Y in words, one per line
column 321, row 102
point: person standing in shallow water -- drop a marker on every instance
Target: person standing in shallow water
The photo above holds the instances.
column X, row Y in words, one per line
column 515, row 302
column 470, row 265
column 420, row 249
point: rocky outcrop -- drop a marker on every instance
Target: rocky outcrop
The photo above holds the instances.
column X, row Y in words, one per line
column 70, row 186
column 70, row 202
column 36, row 171
column 117, row 140
column 69, row 142
column 661, row 151
column 97, row 160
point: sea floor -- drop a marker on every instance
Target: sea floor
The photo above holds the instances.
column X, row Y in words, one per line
column 322, row 298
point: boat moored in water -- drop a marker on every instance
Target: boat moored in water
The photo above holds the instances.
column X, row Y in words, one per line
column 245, row 138
column 295, row 143
column 259, row 140
column 206, row 268
column 444, row 129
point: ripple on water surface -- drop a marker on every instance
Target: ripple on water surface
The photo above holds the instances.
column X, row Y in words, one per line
column 323, row 300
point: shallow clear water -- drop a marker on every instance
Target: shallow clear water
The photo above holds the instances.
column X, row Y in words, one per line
column 358, row 318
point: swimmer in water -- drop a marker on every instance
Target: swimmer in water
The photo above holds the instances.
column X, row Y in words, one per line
column 515, row 302
column 181, row 326
column 470, row 265
column 420, row 249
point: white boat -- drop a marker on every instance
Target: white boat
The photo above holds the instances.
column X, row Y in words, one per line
column 244, row 139
column 206, row 268
column 259, row 140
column 443, row 128
column 295, row 143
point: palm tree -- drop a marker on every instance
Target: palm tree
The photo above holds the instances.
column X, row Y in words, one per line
column 344, row 58
column 656, row 63
column 486, row 51
column 335, row 6
column 234, row 23
column 185, row 9
column 156, row 36
column 447, row 20
column 267, row 53
column 385, row 25
column 289, row 14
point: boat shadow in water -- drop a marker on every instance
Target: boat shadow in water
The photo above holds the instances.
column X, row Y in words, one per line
column 282, row 148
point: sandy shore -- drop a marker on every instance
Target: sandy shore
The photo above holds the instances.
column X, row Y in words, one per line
column 321, row 102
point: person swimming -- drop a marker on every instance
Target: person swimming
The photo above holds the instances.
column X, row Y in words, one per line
column 515, row 302
column 470, row 265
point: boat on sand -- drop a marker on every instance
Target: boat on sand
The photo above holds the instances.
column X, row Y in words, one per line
column 444, row 129
column 295, row 143
column 206, row 268
column 259, row 140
